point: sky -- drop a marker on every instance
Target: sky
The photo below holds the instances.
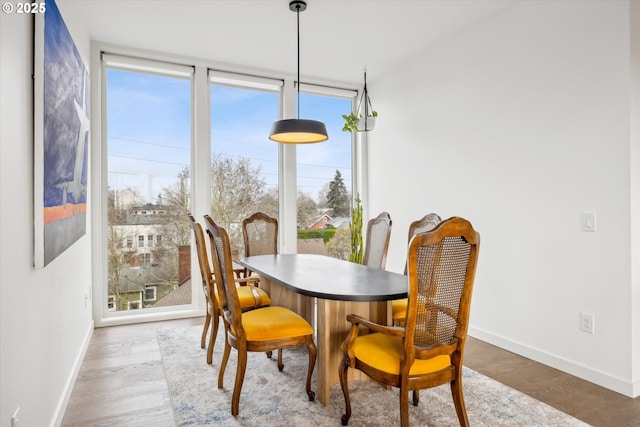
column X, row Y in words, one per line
column 149, row 132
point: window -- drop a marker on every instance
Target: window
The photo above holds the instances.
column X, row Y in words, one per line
column 324, row 179
column 150, row 293
column 147, row 107
column 244, row 162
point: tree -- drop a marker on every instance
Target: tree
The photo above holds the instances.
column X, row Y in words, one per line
column 118, row 254
column 322, row 195
column 340, row 246
column 176, row 198
column 337, row 196
column 237, row 188
column 307, row 209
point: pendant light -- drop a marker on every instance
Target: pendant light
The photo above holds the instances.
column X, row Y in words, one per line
column 298, row 131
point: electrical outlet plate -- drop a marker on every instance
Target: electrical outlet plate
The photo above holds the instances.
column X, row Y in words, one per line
column 15, row 420
column 589, row 221
column 587, row 323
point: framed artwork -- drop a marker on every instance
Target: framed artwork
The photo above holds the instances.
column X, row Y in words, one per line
column 61, row 138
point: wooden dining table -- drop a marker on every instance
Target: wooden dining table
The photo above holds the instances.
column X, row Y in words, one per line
column 324, row 291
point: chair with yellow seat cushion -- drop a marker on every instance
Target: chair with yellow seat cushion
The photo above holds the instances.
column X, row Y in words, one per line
column 377, row 243
column 428, row 350
column 250, row 296
column 263, row 329
column 260, row 236
column 426, row 223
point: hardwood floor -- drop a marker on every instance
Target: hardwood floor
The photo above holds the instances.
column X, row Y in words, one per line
column 121, row 382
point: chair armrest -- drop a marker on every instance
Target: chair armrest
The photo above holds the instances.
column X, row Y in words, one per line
column 355, row 320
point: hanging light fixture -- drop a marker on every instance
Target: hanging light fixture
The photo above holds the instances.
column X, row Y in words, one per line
column 298, row 131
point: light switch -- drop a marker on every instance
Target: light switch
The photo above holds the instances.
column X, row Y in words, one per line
column 588, row 221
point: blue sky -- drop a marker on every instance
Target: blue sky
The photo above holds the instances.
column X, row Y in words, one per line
column 149, row 132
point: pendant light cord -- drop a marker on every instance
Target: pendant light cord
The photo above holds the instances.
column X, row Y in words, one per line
column 298, row 16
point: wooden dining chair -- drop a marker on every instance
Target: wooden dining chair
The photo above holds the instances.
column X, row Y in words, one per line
column 260, row 235
column 426, row 223
column 262, row 329
column 377, row 241
column 428, row 350
column 250, row 297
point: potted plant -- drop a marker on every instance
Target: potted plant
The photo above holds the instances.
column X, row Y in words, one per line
column 357, row 250
column 353, row 123
column 363, row 119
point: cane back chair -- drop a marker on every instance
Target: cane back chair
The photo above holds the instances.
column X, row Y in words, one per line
column 426, row 223
column 260, row 235
column 262, row 329
column 250, row 297
column 428, row 350
column 377, row 244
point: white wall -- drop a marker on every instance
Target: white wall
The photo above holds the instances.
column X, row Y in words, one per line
column 44, row 323
column 520, row 124
column 635, row 192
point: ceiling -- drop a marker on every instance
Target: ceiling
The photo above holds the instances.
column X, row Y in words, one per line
column 338, row 38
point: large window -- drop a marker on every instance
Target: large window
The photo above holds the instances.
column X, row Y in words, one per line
column 324, row 177
column 179, row 139
column 148, row 120
column 244, row 162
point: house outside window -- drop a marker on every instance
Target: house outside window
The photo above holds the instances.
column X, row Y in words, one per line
column 141, row 241
column 150, row 240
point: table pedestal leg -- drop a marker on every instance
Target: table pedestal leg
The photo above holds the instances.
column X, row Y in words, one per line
column 331, row 331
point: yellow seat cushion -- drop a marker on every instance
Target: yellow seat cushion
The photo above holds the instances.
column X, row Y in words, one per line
column 384, row 352
column 272, row 323
column 399, row 308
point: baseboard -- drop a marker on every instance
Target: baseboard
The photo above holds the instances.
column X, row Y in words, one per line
column 586, row 373
column 68, row 388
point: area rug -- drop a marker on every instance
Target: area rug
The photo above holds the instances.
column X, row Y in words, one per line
column 274, row 398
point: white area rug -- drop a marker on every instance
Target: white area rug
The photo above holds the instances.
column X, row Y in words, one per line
column 273, row 398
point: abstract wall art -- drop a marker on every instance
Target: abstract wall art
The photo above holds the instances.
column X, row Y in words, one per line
column 61, row 138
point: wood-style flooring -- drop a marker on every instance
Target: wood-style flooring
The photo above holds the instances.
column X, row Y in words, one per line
column 121, row 382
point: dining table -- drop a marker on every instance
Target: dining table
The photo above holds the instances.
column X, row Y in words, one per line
column 324, row 290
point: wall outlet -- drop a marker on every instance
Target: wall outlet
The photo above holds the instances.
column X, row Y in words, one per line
column 589, row 221
column 587, row 323
column 15, row 420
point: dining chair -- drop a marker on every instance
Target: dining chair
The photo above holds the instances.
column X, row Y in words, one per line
column 426, row 223
column 262, row 329
column 377, row 241
column 428, row 350
column 250, row 297
column 260, row 235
